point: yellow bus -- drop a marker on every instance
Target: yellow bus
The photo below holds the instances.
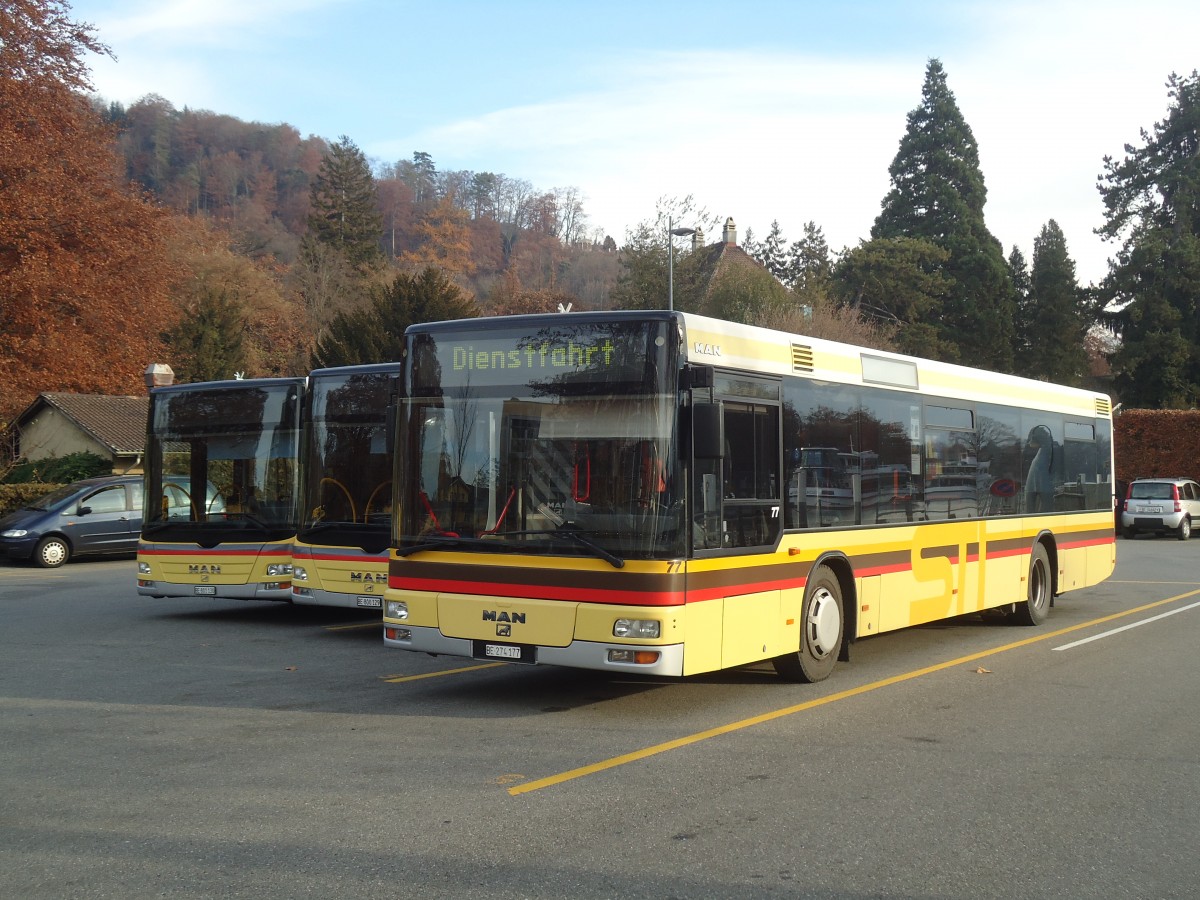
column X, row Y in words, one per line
column 651, row 492
column 340, row 557
column 221, row 490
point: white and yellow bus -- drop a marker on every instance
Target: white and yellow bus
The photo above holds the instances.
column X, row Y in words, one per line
column 221, row 490
column 340, row 555
column 641, row 492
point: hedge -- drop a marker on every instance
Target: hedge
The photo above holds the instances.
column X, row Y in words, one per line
column 1157, row 443
column 14, row 496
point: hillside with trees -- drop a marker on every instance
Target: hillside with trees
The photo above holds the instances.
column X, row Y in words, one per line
column 149, row 234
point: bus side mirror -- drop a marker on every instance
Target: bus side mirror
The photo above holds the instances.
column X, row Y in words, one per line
column 708, row 431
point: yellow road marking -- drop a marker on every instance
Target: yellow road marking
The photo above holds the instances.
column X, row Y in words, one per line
column 399, row 679
column 378, row 624
column 696, row 738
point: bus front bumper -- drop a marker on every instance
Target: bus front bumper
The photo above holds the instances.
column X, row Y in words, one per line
column 277, row 592
column 577, row 654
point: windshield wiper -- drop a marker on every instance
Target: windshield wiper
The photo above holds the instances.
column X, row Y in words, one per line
column 578, row 536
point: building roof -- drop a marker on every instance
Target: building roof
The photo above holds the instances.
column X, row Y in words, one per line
column 118, row 423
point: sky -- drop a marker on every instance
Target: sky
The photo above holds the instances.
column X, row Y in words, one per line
column 787, row 111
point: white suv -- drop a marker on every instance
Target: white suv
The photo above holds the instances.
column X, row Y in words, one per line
column 1161, row 505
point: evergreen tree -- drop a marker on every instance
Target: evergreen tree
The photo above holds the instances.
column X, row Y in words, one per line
column 1018, row 274
column 421, row 176
column 750, row 244
column 938, row 195
column 208, row 342
column 1058, row 318
column 809, row 264
column 897, row 282
column 773, row 253
column 344, row 213
column 1152, row 203
column 375, row 333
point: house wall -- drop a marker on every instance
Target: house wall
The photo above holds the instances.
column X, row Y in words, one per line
column 50, row 433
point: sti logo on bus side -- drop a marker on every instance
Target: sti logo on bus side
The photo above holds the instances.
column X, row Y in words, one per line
column 368, row 577
column 204, row 570
column 491, row 615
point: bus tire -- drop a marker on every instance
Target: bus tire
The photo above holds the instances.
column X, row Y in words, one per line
column 1036, row 607
column 821, row 625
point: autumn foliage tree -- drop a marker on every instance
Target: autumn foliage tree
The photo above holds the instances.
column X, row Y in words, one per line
column 84, row 273
column 234, row 315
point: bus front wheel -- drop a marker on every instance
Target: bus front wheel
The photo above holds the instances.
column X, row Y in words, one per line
column 821, row 626
column 1036, row 607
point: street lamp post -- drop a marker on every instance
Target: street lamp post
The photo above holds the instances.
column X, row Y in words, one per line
column 673, row 233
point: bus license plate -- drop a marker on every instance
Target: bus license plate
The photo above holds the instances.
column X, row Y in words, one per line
column 518, row 653
column 370, row 602
column 500, row 651
column 206, row 590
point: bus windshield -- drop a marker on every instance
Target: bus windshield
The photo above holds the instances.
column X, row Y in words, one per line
column 559, row 439
column 348, row 466
column 222, row 461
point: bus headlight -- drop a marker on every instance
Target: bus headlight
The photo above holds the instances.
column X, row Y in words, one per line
column 277, row 569
column 396, row 609
column 143, row 568
column 299, row 573
column 637, row 628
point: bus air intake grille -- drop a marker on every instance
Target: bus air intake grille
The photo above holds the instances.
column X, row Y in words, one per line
column 802, row 359
column 1103, row 406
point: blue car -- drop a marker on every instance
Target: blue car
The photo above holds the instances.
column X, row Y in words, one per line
column 93, row 516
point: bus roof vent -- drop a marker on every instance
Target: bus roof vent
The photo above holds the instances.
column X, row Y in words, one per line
column 1103, row 406
column 802, row 359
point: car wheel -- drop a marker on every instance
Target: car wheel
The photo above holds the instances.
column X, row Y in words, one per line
column 1184, row 531
column 51, row 552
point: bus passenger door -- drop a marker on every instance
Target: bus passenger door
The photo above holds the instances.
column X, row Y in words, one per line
column 708, row 453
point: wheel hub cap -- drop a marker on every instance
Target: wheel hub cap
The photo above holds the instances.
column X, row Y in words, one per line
column 823, row 624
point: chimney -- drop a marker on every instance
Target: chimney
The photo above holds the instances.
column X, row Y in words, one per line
column 730, row 234
column 159, row 375
column 697, row 239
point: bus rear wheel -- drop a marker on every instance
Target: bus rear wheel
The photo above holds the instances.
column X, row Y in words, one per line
column 1036, row 607
column 821, row 626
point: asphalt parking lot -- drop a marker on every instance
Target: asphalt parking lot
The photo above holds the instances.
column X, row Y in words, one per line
column 198, row 748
